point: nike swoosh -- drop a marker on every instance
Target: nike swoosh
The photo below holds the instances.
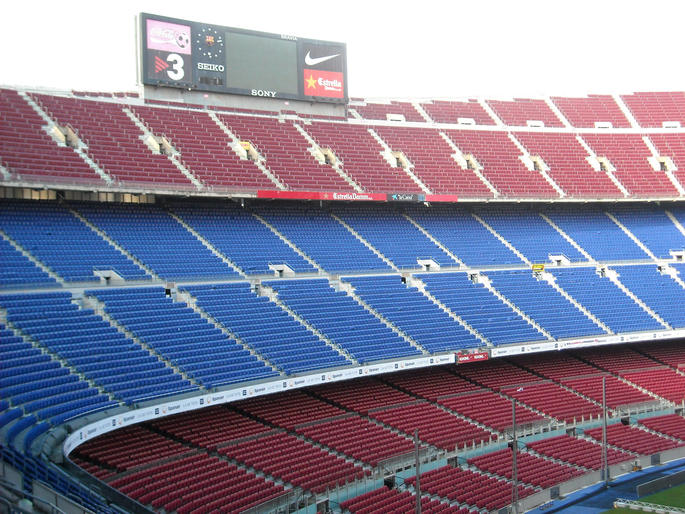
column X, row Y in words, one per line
column 313, row 61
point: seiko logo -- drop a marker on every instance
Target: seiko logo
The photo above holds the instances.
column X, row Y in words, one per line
column 174, row 407
column 128, row 418
column 205, row 66
column 263, row 92
column 217, row 398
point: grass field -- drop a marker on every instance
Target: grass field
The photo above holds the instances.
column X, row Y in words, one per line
column 673, row 497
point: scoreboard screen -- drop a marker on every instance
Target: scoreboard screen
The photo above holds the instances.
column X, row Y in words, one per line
column 203, row 57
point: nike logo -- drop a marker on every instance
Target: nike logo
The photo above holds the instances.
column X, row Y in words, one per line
column 313, row 61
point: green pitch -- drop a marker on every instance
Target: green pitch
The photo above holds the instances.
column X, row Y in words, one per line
column 673, row 497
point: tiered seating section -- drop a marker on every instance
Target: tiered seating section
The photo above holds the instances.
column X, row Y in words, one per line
column 113, row 141
column 653, row 109
column 63, row 360
column 585, row 112
column 470, row 487
column 380, row 111
column 442, row 111
column 286, row 152
column 205, row 149
column 205, row 141
column 391, row 500
column 30, row 154
column 519, row 112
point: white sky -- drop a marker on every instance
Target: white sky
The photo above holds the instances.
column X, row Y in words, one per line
column 395, row 49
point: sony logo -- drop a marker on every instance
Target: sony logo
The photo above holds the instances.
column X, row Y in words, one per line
column 263, row 92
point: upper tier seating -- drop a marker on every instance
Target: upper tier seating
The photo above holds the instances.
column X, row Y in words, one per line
column 113, row 141
column 568, row 166
column 380, row 111
column 518, row 112
column 499, row 157
column 672, row 146
column 117, row 145
column 38, row 387
column 432, row 162
column 29, row 153
column 64, row 243
column 629, row 155
column 443, row 111
column 585, row 112
column 206, row 150
column 653, row 109
column 360, row 155
column 286, row 152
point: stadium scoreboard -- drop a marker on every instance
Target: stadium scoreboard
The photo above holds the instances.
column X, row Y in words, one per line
column 199, row 56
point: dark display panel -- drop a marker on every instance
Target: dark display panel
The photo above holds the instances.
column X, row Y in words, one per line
column 191, row 55
column 268, row 62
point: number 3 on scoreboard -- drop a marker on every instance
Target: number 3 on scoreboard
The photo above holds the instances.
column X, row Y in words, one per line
column 176, row 72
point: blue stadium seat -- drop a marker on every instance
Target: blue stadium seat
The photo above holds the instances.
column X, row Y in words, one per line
column 410, row 311
column 342, row 320
column 481, row 309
